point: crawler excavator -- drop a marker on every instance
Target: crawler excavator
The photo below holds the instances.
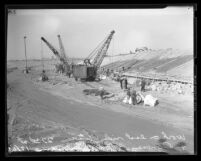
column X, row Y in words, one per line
column 88, row 70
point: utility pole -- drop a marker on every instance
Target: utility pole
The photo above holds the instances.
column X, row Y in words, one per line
column 42, row 54
column 43, row 75
column 26, row 69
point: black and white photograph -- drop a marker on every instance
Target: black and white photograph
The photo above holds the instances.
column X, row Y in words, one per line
column 100, row 80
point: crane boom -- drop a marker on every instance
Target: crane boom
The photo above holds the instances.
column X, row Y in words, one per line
column 88, row 70
column 56, row 53
column 62, row 50
column 102, row 51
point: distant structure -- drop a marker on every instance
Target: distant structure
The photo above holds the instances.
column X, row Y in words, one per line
column 141, row 49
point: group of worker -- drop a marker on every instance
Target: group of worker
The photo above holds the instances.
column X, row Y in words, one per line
column 109, row 72
column 131, row 92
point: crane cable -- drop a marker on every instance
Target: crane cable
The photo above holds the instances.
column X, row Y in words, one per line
column 111, row 56
column 42, row 54
column 93, row 52
column 113, row 43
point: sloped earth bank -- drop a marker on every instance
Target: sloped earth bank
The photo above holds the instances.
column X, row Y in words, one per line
column 176, row 64
column 57, row 116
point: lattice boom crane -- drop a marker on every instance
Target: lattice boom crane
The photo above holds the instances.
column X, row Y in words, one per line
column 88, row 70
column 56, row 53
column 62, row 50
column 102, row 51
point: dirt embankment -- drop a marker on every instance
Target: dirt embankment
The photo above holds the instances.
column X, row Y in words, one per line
column 56, row 115
column 174, row 63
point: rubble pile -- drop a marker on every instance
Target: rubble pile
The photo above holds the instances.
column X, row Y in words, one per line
column 172, row 87
column 79, row 146
column 70, row 142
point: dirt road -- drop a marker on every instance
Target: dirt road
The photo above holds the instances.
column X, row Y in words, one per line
column 26, row 101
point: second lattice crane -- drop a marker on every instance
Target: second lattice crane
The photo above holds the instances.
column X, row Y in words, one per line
column 63, row 66
column 88, row 70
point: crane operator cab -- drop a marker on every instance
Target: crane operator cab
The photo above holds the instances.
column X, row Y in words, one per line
column 88, row 69
column 84, row 72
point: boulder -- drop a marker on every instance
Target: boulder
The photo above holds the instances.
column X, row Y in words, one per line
column 126, row 100
column 149, row 100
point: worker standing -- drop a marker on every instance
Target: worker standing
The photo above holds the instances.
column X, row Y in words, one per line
column 133, row 97
column 121, row 82
column 123, row 69
column 143, row 85
column 128, row 93
column 125, row 83
column 69, row 71
column 107, row 72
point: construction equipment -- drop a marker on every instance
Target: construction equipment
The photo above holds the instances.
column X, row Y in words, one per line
column 88, row 70
column 64, row 66
column 62, row 50
column 63, row 54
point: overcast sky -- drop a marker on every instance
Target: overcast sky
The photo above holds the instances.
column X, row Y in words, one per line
column 82, row 30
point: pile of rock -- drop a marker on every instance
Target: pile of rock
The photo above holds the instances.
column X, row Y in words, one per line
column 79, row 146
column 165, row 86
